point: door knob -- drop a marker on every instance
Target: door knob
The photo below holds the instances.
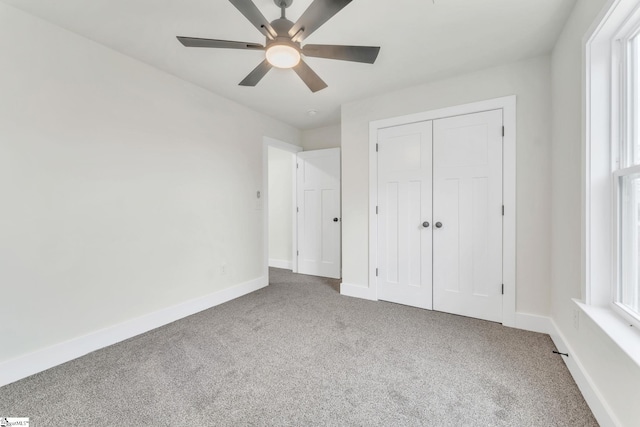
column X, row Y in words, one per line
column 438, row 224
column 425, row 224
column 335, row 219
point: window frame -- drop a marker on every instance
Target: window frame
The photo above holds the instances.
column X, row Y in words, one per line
column 625, row 92
column 607, row 132
column 601, row 106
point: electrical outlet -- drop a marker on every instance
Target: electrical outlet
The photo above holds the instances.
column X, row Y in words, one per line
column 576, row 319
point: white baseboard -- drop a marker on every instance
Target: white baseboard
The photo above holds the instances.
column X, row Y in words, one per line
column 32, row 363
column 281, row 263
column 357, row 291
column 534, row 323
column 527, row 322
column 603, row 413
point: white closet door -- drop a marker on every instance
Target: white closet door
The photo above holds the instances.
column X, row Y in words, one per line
column 404, row 214
column 318, row 202
column 467, row 200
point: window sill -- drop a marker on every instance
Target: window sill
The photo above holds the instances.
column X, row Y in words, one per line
column 613, row 325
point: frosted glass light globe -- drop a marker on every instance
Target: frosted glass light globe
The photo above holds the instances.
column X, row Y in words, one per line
column 283, row 56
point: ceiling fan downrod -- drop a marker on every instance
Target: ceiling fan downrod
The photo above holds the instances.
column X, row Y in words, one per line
column 283, row 8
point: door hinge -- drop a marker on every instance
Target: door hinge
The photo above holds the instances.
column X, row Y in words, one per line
column 297, row 166
column 376, row 148
column 376, row 210
column 502, row 210
column 376, row 272
column 503, row 289
column 502, row 130
column 297, row 253
column 297, row 209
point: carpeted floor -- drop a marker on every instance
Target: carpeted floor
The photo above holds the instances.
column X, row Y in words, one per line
column 296, row 354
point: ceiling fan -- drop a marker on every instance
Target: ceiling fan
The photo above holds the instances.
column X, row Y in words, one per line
column 283, row 38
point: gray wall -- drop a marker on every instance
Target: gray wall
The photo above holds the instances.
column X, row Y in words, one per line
column 321, row 138
column 125, row 190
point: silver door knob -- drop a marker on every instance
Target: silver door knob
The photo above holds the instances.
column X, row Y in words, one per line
column 425, row 224
column 438, row 225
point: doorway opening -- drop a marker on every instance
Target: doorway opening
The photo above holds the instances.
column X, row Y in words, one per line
column 280, row 227
column 302, row 214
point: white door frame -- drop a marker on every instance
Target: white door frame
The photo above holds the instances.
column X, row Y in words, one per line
column 294, row 149
column 508, row 106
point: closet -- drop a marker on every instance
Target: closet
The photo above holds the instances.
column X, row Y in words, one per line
column 440, row 214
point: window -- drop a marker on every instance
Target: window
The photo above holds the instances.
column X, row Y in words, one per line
column 611, row 192
column 626, row 174
column 628, row 296
column 611, row 236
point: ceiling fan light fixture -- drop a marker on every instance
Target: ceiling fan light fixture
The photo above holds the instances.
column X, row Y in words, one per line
column 283, row 56
column 283, row 47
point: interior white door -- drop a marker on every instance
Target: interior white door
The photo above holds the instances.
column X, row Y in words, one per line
column 467, row 212
column 319, row 217
column 404, row 214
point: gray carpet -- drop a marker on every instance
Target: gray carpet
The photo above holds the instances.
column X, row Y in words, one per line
column 297, row 353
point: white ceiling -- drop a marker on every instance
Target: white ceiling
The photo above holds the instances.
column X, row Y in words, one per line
column 420, row 41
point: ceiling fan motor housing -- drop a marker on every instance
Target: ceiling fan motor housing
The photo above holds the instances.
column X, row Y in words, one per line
column 282, row 27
